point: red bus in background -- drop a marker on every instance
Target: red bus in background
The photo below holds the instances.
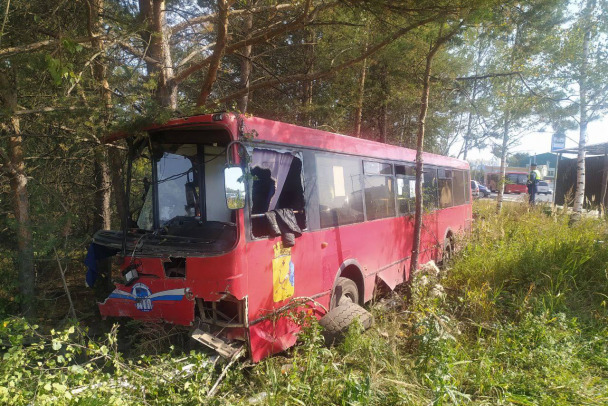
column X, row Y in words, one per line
column 515, row 182
column 345, row 216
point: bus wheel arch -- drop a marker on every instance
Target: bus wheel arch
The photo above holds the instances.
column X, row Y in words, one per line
column 350, row 270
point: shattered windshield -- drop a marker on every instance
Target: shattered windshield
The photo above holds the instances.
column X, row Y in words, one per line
column 185, row 198
column 178, row 183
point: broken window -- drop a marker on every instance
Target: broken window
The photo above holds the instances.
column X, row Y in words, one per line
column 276, row 185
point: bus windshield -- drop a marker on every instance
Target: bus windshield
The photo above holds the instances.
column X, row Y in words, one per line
column 188, row 188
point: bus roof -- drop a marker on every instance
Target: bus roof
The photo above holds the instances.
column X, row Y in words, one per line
column 289, row 134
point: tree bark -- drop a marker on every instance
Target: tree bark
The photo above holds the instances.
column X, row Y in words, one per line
column 103, row 184
column 218, row 51
column 467, row 137
column 503, row 154
column 14, row 166
column 360, row 95
column 579, row 196
column 102, row 167
column 424, row 102
column 506, row 126
column 152, row 12
column 383, row 115
column 243, row 101
column 307, row 92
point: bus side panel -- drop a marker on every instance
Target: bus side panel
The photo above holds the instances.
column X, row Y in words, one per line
column 453, row 218
column 277, row 275
column 209, row 278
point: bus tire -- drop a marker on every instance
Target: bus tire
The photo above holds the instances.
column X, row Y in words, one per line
column 336, row 322
column 345, row 289
column 447, row 252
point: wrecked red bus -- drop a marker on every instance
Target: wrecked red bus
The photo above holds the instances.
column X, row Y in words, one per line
column 515, row 182
column 241, row 219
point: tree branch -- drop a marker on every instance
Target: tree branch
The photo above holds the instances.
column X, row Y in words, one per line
column 210, row 17
column 47, row 110
column 133, row 51
column 489, row 75
column 264, row 35
column 218, row 51
column 43, row 44
column 323, row 74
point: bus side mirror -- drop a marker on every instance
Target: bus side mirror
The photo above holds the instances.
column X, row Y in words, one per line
column 234, row 182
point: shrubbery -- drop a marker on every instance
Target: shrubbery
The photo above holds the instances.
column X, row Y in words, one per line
column 519, row 317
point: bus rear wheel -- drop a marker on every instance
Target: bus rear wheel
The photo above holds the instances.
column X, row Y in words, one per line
column 448, row 251
column 345, row 290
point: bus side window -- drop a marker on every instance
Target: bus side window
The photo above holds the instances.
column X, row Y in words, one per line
column 379, row 190
column 406, row 188
column 458, row 188
column 445, row 188
column 276, row 184
column 429, row 189
column 339, row 188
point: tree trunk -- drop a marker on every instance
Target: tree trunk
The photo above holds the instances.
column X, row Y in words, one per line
column 246, row 63
column 360, row 94
column 103, row 183
column 472, row 99
column 118, row 188
column 218, row 51
column 361, row 89
column 152, row 12
column 102, row 167
column 383, row 116
column 424, row 102
column 27, row 274
column 507, row 125
column 503, row 155
column 14, row 165
column 579, row 197
column 307, row 86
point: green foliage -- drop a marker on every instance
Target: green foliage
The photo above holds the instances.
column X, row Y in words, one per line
column 523, row 322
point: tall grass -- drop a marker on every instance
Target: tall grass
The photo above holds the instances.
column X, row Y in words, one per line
column 523, row 321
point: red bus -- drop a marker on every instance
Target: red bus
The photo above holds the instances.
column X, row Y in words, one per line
column 515, row 182
column 205, row 249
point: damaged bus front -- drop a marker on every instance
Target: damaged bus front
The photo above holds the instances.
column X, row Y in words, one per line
column 178, row 250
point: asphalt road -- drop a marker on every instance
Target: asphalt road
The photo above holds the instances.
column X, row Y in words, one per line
column 520, row 198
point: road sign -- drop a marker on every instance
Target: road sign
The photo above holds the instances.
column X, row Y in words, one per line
column 558, row 142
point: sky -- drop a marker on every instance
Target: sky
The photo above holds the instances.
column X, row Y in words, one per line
column 540, row 142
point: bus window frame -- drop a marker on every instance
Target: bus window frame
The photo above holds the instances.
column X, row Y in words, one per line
column 378, row 174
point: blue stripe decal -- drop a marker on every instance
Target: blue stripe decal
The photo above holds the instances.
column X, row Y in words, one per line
column 167, row 297
column 120, row 296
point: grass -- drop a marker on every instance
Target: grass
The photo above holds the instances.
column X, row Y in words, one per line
column 523, row 321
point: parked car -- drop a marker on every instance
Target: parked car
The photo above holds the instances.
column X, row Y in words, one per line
column 483, row 190
column 543, row 188
column 475, row 188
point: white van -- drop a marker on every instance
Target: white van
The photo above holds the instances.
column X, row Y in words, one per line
column 543, row 188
